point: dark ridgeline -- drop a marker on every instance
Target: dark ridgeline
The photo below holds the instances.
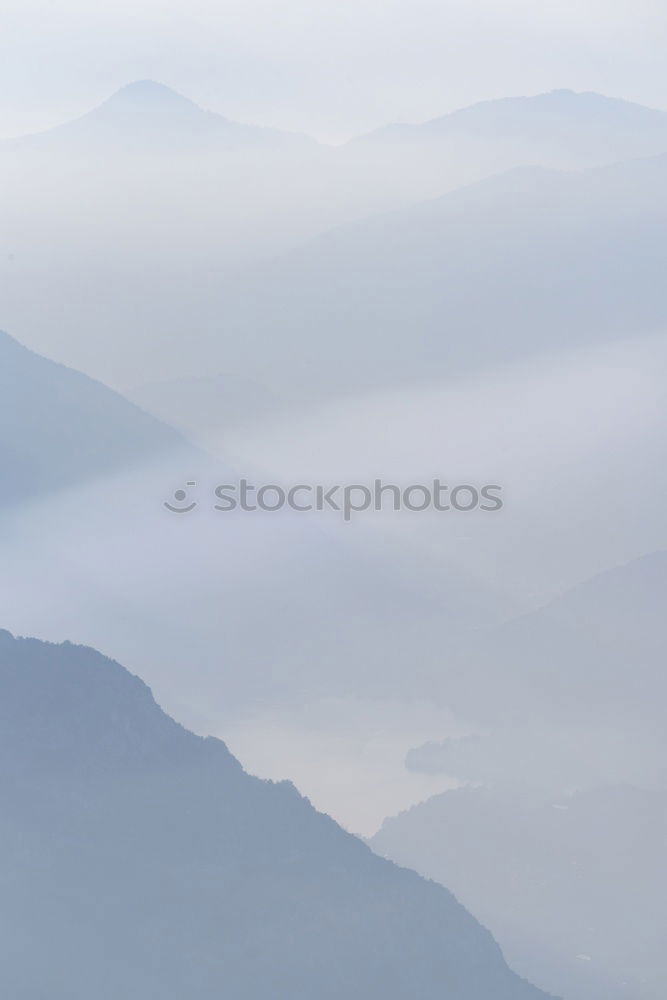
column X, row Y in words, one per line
column 140, row 860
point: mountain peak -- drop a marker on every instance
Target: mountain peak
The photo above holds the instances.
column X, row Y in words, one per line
column 146, row 115
column 149, row 96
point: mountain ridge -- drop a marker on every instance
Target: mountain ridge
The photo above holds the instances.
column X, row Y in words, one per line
column 495, row 115
column 169, row 870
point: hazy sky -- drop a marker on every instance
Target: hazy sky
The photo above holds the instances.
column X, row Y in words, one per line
column 329, row 67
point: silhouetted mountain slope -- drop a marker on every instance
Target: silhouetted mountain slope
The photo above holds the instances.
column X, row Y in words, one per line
column 59, row 428
column 140, row 860
column 584, row 872
column 528, row 262
column 144, row 116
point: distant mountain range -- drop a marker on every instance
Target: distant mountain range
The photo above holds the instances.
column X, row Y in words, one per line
column 147, row 116
column 530, row 262
column 140, row 860
column 583, row 872
column 525, row 259
column 561, row 122
column 585, row 128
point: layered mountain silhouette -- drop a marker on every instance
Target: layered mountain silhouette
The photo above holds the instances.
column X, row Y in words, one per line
column 567, row 763
column 531, row 261
column 147, row 116
column 584, row 872
column 59, row 428
column 140, row 860
column 299, row 607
